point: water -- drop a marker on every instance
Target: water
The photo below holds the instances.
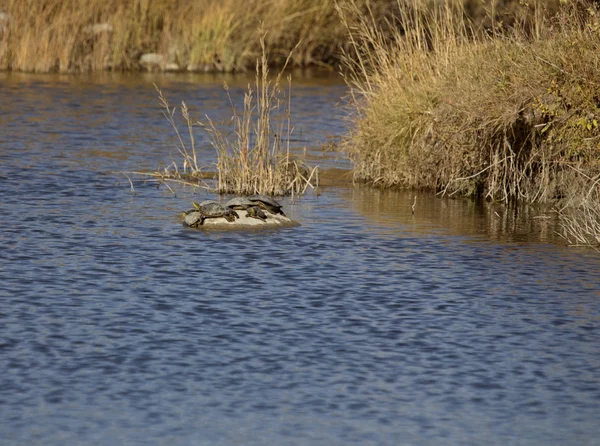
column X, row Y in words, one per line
column 462, row 324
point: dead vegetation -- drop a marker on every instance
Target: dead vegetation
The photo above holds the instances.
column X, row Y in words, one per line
column 254, row 157
column 200, row 35
column 507, row 114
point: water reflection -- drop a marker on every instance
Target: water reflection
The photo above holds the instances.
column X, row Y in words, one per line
column 89, row 111
column 459, row 216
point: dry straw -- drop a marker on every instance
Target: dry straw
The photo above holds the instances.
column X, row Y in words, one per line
column 580, row 216
column 89, row 35
column 504, row 114
column 257, row 159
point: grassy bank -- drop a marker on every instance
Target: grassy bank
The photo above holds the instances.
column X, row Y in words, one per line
column 511, row 115
column 84, row 35
column 200, row 35
column 505, row 114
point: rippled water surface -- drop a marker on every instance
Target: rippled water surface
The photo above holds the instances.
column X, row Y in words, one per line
column 462, row 324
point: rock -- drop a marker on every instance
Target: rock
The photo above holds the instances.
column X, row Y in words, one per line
column 201, row 68
column 150, row 59
column 172, row 66
column 245, row 222
column 3, row 20
column 98, row 28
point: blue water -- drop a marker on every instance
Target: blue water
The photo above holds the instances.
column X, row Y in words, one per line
column 459, row 325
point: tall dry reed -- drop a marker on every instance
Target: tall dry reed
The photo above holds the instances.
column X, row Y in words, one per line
column 190, row 166
column 257, row 158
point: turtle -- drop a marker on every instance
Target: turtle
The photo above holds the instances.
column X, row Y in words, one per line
column 195, row 208
column 240, row 203
column 267, row 203
column 203, row 203
column 189, row 211
column 208, row 209
column 193, row 218
column 256, row 212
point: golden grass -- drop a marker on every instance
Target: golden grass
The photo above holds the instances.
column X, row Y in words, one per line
column 505, row 114
column 221, row 35
column 448, row 110
column 57, row 35
column 257, row 159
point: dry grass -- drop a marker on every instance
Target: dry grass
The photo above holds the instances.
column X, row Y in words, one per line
column 581, row 225
column 501, row 114
column 580, row 215
column 190, row 167
column 57, row 35
column 221, row 35
column 445, row 108
column 257, row 159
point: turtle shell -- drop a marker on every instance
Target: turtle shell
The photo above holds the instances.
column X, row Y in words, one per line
column 239, row 203
column 268, row 203
column 213, row 209
column 193, row 219
column 204, row 203
column 265, row 199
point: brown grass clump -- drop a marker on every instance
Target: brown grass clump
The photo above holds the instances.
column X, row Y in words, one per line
column 441, row 107
column 257, row 159
column 505, row 114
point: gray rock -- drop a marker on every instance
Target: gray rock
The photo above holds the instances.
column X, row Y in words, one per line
column 3, row 20
column 172, row 66
column 98, row 28
column 201, row 68
column 152, row 59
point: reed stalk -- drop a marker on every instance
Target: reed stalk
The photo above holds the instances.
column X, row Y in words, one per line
column 190, row 160
column 581, row 225
column 257, row 159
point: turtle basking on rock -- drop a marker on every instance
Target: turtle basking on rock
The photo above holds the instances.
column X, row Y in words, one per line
column 256, row 212
column 251, row 207
column 208, row 209
column 196, row 207
column 240, row 203
column 192, row 218
column 267, row 203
